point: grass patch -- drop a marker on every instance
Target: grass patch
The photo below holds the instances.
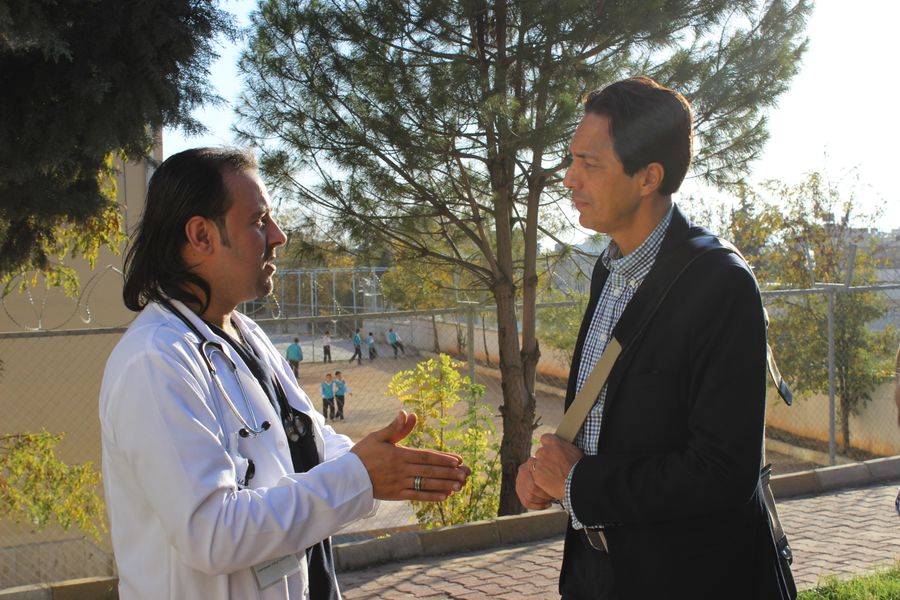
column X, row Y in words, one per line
column 881, row 585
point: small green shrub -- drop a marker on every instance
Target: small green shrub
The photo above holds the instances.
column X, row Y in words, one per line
column 433, row 390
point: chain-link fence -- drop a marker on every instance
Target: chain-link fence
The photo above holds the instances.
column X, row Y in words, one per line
column 51, row 381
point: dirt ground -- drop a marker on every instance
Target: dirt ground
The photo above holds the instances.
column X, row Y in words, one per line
column 369, row 407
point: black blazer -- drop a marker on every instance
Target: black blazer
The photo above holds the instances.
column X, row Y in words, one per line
column 674, row 480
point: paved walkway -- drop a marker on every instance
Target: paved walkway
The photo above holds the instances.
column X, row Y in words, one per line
column 839, row 533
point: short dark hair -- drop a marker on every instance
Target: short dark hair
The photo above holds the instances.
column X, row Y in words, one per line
column 190, row 183
column 649, row 123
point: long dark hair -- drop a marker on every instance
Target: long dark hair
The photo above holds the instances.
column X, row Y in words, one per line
column 648, row 123
column 187, row 184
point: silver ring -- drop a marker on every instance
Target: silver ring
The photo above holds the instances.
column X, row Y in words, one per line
column 417, row 483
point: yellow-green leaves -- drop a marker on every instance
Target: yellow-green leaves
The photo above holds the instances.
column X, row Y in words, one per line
column 37, row 487
column 434, row 390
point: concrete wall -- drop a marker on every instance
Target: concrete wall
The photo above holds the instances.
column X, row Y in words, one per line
column 420, row 333
column 875, row 429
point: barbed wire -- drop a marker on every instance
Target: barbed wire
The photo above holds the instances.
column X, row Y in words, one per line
column 81, row 304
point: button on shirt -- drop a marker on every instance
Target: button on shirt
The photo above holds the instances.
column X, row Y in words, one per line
column 626, row 273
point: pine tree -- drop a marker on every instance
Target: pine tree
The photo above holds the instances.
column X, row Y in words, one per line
column 84, row 82
column 443, row 126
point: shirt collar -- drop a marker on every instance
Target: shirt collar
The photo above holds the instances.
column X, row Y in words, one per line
column 637, row 264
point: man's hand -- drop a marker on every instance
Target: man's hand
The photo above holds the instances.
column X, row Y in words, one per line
column 393, row 469
column 530, row 495
column 553, row 461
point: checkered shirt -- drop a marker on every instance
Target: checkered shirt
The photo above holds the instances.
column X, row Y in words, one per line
column 626, row 273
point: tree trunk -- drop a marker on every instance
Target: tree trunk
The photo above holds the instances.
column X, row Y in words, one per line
column 518, row 405
column 487, row 353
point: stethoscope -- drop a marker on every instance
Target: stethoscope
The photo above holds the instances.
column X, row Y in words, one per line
column 208, row 348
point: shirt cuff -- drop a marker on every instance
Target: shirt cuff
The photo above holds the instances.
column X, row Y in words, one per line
column 567, row 500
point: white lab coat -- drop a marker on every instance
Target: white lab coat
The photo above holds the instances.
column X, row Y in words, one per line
column 181, row 528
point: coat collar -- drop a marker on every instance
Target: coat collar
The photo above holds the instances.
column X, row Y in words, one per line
column 658, row 278
column 642, row 303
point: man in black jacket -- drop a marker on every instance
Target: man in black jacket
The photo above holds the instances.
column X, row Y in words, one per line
column 661, row 483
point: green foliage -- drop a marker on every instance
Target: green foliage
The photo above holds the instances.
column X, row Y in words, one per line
column 419, row 285
column 425, row 283
column 883, row 585
column 433, row 390
column 558, row 325
column 778, row 225
column 84, row 83
column 425, row 105
column 38, row 487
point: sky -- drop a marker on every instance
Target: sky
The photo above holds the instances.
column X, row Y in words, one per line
column 839, row 117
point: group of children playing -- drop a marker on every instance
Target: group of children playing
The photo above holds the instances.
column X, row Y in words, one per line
column 335, row 389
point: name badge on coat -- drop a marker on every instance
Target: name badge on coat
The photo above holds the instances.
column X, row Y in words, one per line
column 273, row 571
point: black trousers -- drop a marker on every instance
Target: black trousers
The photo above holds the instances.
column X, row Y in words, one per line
column 340, row 407
column 326, row 354
column 328, row 406
column 357, row 354
column 586, row 573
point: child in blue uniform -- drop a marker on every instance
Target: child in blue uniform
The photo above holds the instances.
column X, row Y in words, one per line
column 340, row 391
column 328, row 397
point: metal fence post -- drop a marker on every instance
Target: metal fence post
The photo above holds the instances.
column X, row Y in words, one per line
column 470, row 349
column 832, row 410
column 470, row 340
column 470, row 343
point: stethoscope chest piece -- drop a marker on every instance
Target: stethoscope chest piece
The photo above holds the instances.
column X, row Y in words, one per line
column 246, row 432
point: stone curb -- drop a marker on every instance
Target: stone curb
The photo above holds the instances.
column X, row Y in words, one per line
column 457, row 538
column 484, row 534
column 827, row 479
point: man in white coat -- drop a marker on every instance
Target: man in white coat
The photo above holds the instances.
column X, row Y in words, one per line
column 221, row 479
